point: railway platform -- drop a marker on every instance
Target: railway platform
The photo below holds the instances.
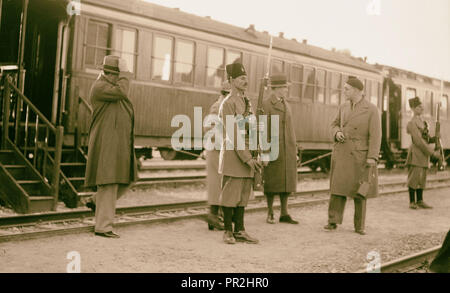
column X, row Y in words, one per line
column 394, row 231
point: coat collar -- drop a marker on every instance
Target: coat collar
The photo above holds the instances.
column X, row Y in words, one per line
column 360, row 108
column 277, row 104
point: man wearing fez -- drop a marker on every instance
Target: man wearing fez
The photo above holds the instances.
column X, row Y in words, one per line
column 280, row 174
column 111, row 164
column 236, row 163
column 357, row 134
column 418, row 155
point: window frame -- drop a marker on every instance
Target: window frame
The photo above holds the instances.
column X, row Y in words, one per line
column 136, row 44
column 110, row 40
column 175, row 61
column 152, row 63
column 208, row 47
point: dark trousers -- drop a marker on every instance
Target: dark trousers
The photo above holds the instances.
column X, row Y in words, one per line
column 336, row 211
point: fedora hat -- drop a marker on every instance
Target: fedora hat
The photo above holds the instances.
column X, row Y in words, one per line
column 414, row 102
column 110, row 64
column 278, row 80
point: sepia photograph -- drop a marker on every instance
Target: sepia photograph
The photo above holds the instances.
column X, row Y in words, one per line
column 225, row 144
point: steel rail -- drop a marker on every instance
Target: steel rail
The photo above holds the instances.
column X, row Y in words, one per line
column 161, row 213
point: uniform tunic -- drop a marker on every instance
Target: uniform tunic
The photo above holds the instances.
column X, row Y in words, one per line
column 362, row 129
column 280, row 175
column 237, row 178
column 418, row 154
column 212, row 160
column 111, row 158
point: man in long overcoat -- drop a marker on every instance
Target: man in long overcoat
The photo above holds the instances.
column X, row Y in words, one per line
column 357, row 134
column 418, row 155
column 236, row 163
column 280, row 173
column 214, row 179
column 111, row 164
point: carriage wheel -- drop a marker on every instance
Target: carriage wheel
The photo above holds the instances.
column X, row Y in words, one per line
column 168, row 154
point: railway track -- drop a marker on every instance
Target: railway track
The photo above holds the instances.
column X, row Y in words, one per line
column 410, row 263
column 57, row 223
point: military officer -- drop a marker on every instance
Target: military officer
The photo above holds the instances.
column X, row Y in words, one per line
column 212, row 163
column 280, row 173
column 357, row 134
column 236, row 163
column 111, row 164
column 418, row 155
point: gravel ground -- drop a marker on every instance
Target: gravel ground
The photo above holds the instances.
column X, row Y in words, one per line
column 187, row 246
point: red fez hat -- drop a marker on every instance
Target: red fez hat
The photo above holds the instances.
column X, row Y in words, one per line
column 235, row 70
column 355, row 82
column 414, row 102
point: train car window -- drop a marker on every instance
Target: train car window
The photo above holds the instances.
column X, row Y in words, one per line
column 126, row 46
column 335, row 88
column 98, row 43
column 215, row 67
column 444, row 106
column 320, row 86
column 162, row 58
column 308, row 85
column 295, row 89
column 233, row 56
column 276, row 66
column 410, row 93
column 184, row 62
column 374, row 92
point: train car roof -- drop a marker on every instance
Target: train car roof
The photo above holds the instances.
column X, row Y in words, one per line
column 402, row 73
column 250, row 35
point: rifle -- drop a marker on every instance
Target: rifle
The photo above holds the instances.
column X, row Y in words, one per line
column 258, row 183
column 438, row 143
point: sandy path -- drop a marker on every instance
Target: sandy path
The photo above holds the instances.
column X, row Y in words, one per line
column 187, row 246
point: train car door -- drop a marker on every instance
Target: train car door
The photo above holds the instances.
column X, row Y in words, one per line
column 10, row 14
column 395, row 107
column 41, row 53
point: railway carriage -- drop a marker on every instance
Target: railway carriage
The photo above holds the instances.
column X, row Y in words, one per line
column 178, row 63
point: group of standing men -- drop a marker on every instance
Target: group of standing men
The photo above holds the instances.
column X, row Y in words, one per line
column 111, row 164
column 357, row 134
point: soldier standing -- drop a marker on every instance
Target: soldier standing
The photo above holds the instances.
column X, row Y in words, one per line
column 212, row 164
column 280, row 174
column 418, row 155
column 357, row 134
column 111, row 164
column 236, row 163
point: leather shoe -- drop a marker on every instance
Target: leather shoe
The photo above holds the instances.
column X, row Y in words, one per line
column 330, row 226
column 423, row 205
column 360, row 232
column 413, row 206
column 270, row 219
column 242, row 236
column 91, row 205
column 214, row 222
column 288, row 219
column 109, row 234
column 228, row 237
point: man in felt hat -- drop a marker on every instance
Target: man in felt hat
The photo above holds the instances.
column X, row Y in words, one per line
column 280, row 173
column 214, row 179
column 111, row 164
column 236, row 163
column 418, row 155
column 357, row 134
